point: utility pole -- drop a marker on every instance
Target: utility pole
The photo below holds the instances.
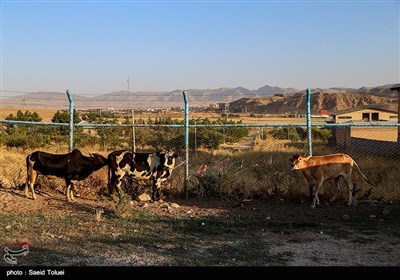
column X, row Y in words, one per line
column 133, row 125
column 133, row 131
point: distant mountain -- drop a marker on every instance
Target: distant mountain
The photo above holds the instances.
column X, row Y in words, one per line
column 329, row 99
column 267, row 90
column 142, row 100
column 54, row 100
column 379, row 91
column 266, row 99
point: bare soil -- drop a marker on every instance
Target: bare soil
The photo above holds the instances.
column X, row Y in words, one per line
column 199, row 232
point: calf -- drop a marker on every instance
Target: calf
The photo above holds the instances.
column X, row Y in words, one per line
column 317, row 169
column 72, row 167
column 157, row 166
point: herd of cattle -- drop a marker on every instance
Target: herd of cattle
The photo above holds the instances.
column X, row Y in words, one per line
column 75, row 166
column 158, row 167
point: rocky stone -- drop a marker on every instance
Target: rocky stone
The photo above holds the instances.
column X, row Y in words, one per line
column 175, row 205
column 144, row 197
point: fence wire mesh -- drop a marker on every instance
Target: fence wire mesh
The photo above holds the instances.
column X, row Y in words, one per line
column 227, row 159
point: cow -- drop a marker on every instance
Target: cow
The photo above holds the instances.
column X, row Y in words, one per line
column 157, row 166
column 317, row 169
column 72, row 167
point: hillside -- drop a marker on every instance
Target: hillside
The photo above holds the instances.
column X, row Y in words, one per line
column 266, row 99
column 143, row 100
column 333, row 101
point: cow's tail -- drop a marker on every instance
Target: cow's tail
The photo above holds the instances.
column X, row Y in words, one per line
column 29, row 171
column 28, row 165
column 362, row 174
column 108, row 172
column 109, row 165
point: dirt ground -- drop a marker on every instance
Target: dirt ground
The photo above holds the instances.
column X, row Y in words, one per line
column 285, row 233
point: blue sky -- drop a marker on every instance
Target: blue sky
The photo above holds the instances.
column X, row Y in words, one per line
column 93, row 47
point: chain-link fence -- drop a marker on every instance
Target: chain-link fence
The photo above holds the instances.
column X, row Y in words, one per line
column 227, row 159
column 257, row 165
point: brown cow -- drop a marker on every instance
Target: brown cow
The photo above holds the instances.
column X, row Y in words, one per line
column 317, row 169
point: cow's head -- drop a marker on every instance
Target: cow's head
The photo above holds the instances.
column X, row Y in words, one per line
column 170, row 158
column 298, row 161
column 98, row 160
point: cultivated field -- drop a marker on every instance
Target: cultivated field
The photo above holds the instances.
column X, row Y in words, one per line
column 46, row 114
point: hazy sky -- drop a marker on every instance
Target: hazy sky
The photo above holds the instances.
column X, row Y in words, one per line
column 95, row 46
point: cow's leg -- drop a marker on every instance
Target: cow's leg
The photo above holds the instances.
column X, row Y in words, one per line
column 337, row 189
column 156, row 189
column 115, row 183
column 71, row 191
column 118, row 184
column 111, row 184
column 70, row 186
column 315, row 194
column 31, row 178
column 311, row 191
column 350, row 190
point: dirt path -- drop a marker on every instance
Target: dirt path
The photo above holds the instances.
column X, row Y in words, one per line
column 246, row 144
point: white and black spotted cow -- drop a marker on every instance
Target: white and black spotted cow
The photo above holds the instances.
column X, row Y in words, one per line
column 156, row 166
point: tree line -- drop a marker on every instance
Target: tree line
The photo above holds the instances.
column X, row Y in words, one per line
column 30, row 136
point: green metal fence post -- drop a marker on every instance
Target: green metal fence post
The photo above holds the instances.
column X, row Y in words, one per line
column 71, row 121
column 185, row 98
column 308, row 113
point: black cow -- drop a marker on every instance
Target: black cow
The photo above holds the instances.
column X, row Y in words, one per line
column 157, row 166
column 72, row 167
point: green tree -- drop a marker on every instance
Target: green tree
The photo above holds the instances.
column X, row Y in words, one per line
column 63, row 117
column 27, row 116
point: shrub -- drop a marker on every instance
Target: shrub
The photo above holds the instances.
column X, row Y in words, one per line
column 121, row 205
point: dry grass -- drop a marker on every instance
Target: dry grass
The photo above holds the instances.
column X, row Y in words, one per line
column 375, row 133
column 262, row 172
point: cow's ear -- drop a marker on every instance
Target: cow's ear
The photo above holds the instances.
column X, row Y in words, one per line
column 302, row 157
